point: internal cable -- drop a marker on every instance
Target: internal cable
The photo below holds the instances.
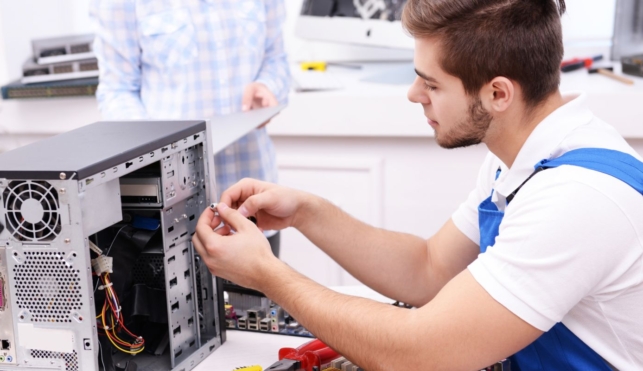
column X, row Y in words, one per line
column 112, row 310
column 110, row 320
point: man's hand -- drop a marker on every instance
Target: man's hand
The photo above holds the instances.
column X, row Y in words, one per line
column 238, row 251
column 257, row 95
column 275, row 207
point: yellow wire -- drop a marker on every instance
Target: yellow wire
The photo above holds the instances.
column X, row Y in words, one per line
column 102, row 316
column 117, row 347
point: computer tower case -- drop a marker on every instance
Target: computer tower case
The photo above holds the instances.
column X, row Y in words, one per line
column 133, row 191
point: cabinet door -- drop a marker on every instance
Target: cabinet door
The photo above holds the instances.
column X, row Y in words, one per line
column 353, row 184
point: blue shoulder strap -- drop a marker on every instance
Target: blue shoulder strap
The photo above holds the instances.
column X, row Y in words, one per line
column 622, row 166
column 559, row 348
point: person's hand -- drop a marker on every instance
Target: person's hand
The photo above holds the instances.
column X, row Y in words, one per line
column 238, row 251
column 257, row 95
column 275, row 207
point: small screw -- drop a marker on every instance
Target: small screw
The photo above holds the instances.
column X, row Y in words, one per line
column 176, row 220
column 67, row 240
column 184, row 216
column 63, row 191
column 63, row 176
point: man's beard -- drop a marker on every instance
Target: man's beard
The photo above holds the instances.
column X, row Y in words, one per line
column 469, row 132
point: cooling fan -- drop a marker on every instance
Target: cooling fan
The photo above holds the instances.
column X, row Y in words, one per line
column 32, row 212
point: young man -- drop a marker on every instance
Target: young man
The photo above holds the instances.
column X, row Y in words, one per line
column 559, row 283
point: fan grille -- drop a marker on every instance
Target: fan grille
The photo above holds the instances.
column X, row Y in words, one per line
column 71, row 359
column 32, row 210
column 47, row 287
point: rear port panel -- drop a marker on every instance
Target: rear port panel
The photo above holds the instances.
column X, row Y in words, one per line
column 7, row 348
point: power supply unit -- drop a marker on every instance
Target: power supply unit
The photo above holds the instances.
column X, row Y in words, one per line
column 97, row 268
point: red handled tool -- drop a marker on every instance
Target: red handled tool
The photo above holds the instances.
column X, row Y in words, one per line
column 578, row 63
column 308, row 357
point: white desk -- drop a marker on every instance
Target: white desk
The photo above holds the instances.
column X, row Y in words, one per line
column 248, row 348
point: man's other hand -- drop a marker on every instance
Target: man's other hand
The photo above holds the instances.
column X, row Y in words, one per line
column 238, row 251
column 257, row 95
column 274, row 206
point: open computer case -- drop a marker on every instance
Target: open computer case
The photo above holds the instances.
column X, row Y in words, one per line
column 97, row 268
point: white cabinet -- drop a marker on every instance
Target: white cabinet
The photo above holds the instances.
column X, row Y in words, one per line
column 404, row 184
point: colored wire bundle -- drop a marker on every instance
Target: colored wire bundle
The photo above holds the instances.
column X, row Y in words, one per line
column 112, row 323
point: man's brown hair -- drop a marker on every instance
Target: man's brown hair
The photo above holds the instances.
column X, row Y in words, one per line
column 482, row 39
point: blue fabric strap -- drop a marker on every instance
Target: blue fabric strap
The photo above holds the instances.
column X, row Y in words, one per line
column 559, row 348
column 620, row 165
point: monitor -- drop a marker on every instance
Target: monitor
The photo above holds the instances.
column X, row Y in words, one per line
column 365, row 22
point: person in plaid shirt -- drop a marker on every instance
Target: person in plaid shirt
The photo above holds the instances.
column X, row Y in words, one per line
column 182, row 59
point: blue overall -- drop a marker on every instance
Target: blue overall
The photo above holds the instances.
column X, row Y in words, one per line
column 559, row 348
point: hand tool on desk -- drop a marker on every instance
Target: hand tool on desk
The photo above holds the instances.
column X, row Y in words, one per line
column 322, row 66
column 308, row 357
column 578, row 63
column 607, row 71
column 313, row 66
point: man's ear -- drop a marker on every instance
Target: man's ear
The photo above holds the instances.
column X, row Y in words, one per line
column 498, row 94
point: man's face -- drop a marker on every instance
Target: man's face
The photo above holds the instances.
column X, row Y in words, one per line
column 458, row 119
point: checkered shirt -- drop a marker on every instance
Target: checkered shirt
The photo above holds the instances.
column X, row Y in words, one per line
column 185, row 59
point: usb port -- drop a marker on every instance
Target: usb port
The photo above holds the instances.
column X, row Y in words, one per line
column 242, row 322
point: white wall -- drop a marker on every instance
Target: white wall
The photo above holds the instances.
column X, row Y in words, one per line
column 587, row 29
column 24, row 20
column 4, row 76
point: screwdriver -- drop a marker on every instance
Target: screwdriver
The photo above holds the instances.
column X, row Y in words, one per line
column 578, row 63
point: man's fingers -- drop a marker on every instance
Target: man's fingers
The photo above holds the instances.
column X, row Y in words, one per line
column 198, row 246
column 203, row 225
column 233, row 218
column 269, row 100
column 240, row 191
column 216, row 221
column 223, row 231
column 253, row 204
column 248, row 97
column 204, row 230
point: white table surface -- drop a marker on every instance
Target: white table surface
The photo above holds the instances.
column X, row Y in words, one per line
column 250, row 348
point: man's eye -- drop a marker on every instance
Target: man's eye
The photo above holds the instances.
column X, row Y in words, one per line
column 429, row 87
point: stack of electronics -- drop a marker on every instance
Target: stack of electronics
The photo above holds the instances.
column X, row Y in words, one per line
column 62, row 66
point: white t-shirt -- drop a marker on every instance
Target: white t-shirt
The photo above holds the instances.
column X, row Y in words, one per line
column 570, row 247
